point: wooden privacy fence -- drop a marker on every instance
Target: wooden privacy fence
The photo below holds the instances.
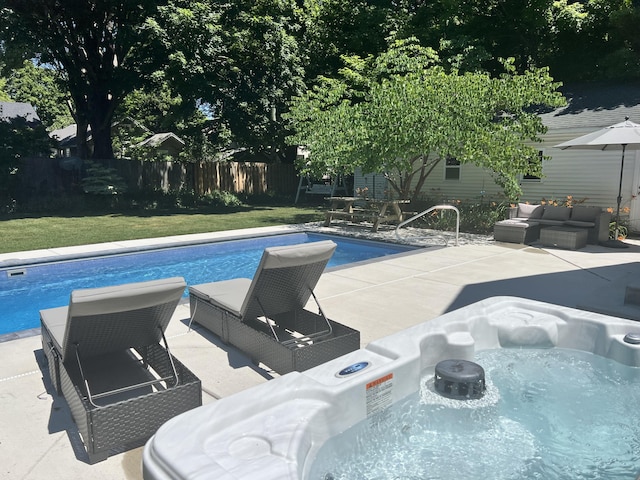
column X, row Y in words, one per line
column 56, row 174
column 241, row 177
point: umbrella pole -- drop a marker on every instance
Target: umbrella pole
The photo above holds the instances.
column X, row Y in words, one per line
column 619, row 199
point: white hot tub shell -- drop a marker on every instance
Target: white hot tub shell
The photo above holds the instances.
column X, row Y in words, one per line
column 274, row 430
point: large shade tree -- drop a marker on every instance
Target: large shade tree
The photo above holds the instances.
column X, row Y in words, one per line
column 237, row 60
column 44, row 90
column 400, row 114
column 94, row 44
column 579, row 40
column 19, row 139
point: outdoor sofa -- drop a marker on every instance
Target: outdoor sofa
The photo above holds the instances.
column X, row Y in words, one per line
column 526, row 221
column 266, row 317
column 105, row 358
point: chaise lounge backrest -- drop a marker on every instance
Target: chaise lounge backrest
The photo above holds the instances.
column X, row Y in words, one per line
column 286, row 277
column 102, row 320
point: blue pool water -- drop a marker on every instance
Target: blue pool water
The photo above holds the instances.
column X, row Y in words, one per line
column 49, row 285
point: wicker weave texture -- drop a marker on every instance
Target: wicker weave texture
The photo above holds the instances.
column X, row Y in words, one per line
column 563, row 237
column 209, row 316
column 53, row 359
column 506, row 232
column 130, row 422
column 255, row 339
column 278, row 290
column 98, row 334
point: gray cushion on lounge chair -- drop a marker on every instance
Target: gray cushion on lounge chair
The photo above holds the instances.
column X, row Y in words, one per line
column 121, row 298
column 55, row 320
column 282, row 257
column 107, row 318
column 283, row 282
column 228, row 294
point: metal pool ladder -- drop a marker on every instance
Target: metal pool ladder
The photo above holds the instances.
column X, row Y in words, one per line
column 431, row 209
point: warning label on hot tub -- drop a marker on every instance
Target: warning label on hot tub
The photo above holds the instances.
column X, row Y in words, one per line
column 379, row 396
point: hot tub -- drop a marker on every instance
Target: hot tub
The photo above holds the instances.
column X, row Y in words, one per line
column 275, row 430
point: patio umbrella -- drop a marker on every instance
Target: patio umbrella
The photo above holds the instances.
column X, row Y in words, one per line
column 621, row 136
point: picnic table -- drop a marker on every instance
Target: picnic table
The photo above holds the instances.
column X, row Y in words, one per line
column 373, row 210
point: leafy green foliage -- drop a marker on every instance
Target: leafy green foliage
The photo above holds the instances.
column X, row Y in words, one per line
column 475, row 217
column 239, row 61
column 101, row 180
column 18, row 139
column 400, row 114
column 95, row 45
column 41, row 87
column 336, row 28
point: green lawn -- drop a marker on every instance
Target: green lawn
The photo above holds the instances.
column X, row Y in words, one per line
column 19, row 234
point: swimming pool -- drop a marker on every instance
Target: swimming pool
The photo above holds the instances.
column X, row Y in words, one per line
column 25, row 290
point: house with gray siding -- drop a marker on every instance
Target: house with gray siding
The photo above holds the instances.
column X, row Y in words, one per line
column 591, row 176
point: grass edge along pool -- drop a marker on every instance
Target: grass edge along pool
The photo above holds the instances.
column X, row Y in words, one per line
column 307, row 408
column 27, row 289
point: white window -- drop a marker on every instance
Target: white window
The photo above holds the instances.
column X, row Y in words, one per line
column 452, row 169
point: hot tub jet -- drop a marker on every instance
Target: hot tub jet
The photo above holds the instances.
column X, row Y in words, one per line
column 459, row 379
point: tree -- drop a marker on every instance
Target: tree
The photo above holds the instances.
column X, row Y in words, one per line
column 41, row 87
column 334, row 28
column 401, row 113
column 93, row 43
column 4, row 96
column 238, row 60
column 18, row 139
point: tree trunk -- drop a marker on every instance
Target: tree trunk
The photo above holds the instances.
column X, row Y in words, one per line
column 101, row 134
column 79, row 112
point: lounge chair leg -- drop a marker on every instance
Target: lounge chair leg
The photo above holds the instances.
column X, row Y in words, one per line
column 98, row 457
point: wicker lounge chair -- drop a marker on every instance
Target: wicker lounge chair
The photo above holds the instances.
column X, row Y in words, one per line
column 266, row 317
column 105, row 358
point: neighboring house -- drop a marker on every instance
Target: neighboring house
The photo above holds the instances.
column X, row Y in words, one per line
column 593, row 175
column 66, row 138
column 164, row 144
column 161, row 143
column 11, row 110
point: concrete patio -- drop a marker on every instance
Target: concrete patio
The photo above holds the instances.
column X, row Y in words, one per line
column 38, row 438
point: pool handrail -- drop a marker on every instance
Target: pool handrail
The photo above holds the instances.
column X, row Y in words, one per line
column 428, row 210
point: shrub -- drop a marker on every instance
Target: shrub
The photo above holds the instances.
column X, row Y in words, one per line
column 475, row 217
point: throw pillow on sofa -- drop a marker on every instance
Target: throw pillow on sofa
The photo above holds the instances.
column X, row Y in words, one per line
column 531, row 212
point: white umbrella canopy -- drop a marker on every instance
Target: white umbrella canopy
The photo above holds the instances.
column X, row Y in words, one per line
column 621, row 136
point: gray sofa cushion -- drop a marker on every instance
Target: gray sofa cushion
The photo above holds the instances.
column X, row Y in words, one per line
column 516, row 223
column 560, row 214
column 577, row 223
column 528, row 211
column 581, row 213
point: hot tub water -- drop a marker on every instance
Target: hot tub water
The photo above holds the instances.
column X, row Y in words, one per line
column 547, row 414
